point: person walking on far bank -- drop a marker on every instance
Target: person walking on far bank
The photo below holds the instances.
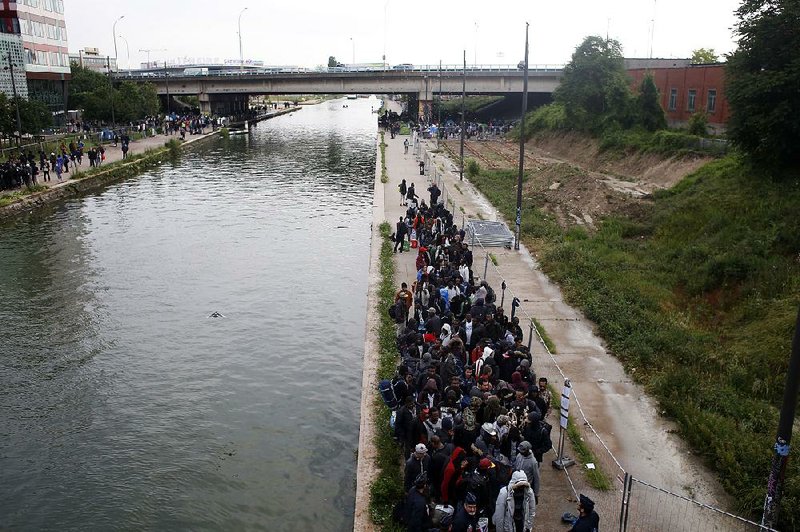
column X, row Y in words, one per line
column 405, row 146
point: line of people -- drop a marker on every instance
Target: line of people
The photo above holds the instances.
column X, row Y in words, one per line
column 469, row 410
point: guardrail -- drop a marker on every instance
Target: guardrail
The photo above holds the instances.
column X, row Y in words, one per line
column 431, row 69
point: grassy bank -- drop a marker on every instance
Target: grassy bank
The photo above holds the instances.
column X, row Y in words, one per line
column 387, row 489
column 697, row 297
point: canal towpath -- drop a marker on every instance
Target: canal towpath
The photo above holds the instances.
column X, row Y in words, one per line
column 626, row 429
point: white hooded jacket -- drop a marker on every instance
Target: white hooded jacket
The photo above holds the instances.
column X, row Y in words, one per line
column 504, row 509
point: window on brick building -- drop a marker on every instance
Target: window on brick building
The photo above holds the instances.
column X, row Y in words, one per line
column 673, row 99
column 711, row 104
column 692, row 101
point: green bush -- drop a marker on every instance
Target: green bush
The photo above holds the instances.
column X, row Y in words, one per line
column 698, row 124
column 473, row 168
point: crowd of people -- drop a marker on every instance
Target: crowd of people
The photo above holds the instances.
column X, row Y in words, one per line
column 468, row 408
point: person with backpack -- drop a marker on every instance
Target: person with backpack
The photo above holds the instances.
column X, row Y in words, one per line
column 525, row 461
column 418, row 463
column 537, row 432
column 400, row 232
column 403, row 188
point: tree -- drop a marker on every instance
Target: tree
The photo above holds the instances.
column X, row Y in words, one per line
column 332, row 62
column 594, row 90
column 763, row 76
column 34, row 115
column 651, row 115
column 704, row 56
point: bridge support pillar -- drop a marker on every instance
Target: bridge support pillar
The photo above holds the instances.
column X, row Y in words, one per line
column 224, row 104
column 205, row 103
column 425, row 110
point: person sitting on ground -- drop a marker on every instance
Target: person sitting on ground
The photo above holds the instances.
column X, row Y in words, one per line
column 588, row 520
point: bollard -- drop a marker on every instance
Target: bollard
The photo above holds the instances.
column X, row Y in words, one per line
column 503, row 298
column 486, row 265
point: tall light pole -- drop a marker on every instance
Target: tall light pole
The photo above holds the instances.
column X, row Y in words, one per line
column 114, row 30
column 148, row 50
column 438, row 129
column 385, row 24
column 353, row 42
column 127, row 54
column 463, row 114
column 522, row 144
column 111, row 94
column 475, row 52
column 10, row 69
column 241, row 55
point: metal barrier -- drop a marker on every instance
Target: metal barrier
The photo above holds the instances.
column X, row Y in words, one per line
column 639, row 505
column 651, row 508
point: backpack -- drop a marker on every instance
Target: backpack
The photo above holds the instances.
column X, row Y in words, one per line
column 393, row 311
column 544, row 429
column 386, row 390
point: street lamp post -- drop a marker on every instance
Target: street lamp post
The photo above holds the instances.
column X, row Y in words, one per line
column 522, row 144
column 241, row 55
column 127, row 54
column 463, row 114
column 10, row 69
column 114, row 30
column 353, row 42
column 111, row 91
column 439, row 128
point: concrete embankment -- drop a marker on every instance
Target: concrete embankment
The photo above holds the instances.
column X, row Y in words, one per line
column 74, row 187
column 366, row 470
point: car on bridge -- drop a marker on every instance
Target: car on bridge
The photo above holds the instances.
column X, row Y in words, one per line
column 403, row 66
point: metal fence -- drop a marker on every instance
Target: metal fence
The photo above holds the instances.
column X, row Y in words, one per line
column 638, row 505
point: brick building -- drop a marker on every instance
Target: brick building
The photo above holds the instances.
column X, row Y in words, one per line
column 685, row 90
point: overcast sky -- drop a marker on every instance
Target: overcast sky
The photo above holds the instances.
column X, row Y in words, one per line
column 305, row 33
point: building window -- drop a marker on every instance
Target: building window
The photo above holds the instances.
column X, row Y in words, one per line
column 692, row 100
column 673, row 99
column 711, row 104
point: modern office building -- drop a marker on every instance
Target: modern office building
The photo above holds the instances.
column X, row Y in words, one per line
column 92, row 59
column 34, row 34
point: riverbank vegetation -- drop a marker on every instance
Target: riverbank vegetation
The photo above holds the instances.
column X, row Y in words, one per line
column 696, row 291
column 387, row 488
column 92, row 92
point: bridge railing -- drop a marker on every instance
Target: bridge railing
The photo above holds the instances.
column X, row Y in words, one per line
column 432, row 69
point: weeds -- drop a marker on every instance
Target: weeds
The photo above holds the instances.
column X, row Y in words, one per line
column 551, row 346
column 387, row 489
column 384, row 172
column 493, row 259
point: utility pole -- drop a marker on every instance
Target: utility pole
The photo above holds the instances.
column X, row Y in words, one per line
column 463, row 114
column 438, row 129
column 16, row 99
column 783, row 440
column 111, row 93
column 522, row 144
column 241, row 56
column 166, row 80
column 148, row 50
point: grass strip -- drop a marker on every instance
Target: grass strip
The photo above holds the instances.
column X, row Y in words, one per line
column 595, row 477
column 551, row 346
column 384, row 173
column 493, row 259
column 387, row 489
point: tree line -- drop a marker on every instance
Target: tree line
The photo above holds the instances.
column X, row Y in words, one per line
column 761, row 84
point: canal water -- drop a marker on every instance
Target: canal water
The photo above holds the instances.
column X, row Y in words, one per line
column 124, row 406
